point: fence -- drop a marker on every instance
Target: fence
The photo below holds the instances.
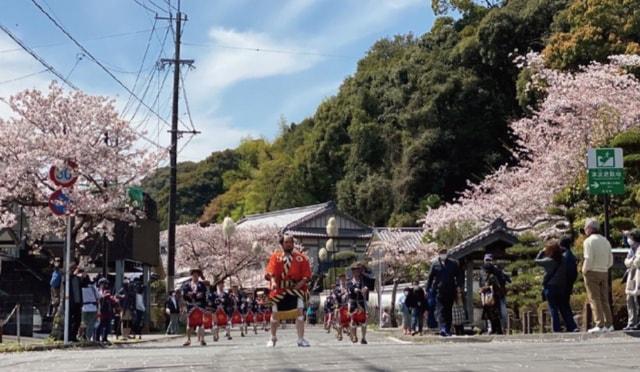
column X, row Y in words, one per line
column 15, row 311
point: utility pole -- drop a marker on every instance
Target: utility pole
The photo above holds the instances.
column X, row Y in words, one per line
column 173, row 152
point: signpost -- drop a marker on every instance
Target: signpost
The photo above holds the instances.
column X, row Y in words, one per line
column 60, row 205
column 605, row 176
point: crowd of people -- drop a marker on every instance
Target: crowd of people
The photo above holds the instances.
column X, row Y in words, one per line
column 95, row 310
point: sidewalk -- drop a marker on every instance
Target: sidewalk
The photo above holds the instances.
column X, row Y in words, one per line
column 41, row 342
column 530, row 338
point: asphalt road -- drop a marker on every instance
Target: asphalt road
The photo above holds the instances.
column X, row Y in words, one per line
column 327, row 354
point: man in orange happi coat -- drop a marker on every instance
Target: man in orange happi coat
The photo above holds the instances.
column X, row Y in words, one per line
column 288, row 272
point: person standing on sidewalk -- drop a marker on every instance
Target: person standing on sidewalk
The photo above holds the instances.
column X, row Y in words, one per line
column 572, row 268
column 173, row 311
column 598, row 259
column 417, row 316
column 555, row 286
column 90, row 298
column 632, row 288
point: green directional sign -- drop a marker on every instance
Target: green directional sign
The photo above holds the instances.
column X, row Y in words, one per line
column 603, row 181
column 606, row 171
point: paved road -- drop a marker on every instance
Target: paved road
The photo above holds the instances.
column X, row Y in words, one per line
column 327, row 354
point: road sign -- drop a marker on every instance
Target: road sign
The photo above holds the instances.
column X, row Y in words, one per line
column 606, row 171
column 605, row 158
column 64, row 176
column 59, row 203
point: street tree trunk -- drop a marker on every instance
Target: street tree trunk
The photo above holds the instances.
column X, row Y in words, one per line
column 394, row 321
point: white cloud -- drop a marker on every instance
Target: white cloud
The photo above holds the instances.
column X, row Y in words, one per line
column 217, row 134
column 15, row 65
column 229, row 62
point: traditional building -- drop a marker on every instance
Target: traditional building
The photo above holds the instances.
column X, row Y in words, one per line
column 309, row 226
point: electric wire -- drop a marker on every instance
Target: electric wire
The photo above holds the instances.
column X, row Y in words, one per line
column 24, row 76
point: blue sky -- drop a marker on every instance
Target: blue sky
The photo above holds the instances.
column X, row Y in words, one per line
column 307, row 48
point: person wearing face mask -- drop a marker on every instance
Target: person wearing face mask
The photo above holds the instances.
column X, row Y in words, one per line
column 632, row 289
column 288, row 273
column 446, row 280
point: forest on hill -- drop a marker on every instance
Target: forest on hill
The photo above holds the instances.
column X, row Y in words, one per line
column 421, row 117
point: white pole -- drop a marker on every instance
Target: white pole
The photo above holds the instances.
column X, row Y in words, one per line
column 18, row 324
column 67, row 264
column 380, row 286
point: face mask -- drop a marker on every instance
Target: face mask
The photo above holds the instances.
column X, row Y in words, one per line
column 443, row 257
column 631, row 242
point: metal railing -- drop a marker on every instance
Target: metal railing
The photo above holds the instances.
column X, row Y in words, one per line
column 16, row 312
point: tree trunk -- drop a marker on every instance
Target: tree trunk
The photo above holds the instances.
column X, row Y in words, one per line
column 394, row 321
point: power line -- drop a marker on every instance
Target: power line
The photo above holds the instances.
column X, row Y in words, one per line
column 79, row 57
column 267, row 50
column 186, row 103
column 144, row 58
column 24, row 76
column 145, row 7
column 37, row 57
column 66, row 43
column 90, row 55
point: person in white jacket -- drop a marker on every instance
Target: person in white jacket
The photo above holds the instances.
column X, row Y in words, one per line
column 632, row 262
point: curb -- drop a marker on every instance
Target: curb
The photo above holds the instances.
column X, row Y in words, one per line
column 88, row 345
column 530, row 338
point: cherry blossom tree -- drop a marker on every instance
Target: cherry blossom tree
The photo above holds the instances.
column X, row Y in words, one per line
column 206, row 248
column 581, row 109
column 55, row 127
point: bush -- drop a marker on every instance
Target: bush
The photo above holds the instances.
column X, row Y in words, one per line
column 629, row 141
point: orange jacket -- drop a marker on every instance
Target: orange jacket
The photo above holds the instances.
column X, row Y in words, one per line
column 300, row 268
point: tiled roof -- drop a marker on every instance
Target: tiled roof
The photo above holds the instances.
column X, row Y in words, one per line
column 284, row 217
column 497, row 230
column 408, row 237
column 322, row 233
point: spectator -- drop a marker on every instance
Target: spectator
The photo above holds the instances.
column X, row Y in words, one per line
column 632, row 290
column 55, row 283
column 598, row 259
column 127, row 301
column 138, row 320
column 572, row 268
column 419, row 305
column 105, row 311
column 89, row 309
column 458, row 315
column 503, row 279
column 75, row 303
column 446, row 280
column 554, row 285
column 173, row 311
column 406, row 312
column 386, row 318
column 492, row 293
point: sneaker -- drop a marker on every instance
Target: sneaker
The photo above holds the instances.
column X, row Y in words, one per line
column 629, row 328
column 596, row 329
column 272, row 342
column 303, row 343
column 610, row 329
column 363, row 341
column 445, row 334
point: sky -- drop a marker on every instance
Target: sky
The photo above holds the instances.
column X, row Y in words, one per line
column 256, row 61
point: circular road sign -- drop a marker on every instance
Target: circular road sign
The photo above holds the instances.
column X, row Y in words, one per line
column 64, row 176
column 59, row 203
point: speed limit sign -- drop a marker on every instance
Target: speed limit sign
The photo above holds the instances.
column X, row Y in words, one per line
column 65, row 175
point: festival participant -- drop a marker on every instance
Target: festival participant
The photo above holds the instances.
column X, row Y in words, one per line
column 358, row 295
column 251, row 308
column 288, row 272
column 341, row 311
column 329, row 307
column 194, row 294
column 234, row 309
column 219, row 302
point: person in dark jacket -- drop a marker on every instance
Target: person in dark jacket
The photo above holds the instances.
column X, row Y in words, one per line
column 493, row 293
column 571, row 263
column 419, row 302
column 172, row 309
column 446, row 279
column 555, row 286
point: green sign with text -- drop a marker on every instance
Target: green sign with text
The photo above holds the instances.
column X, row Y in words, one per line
column 606, row 171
